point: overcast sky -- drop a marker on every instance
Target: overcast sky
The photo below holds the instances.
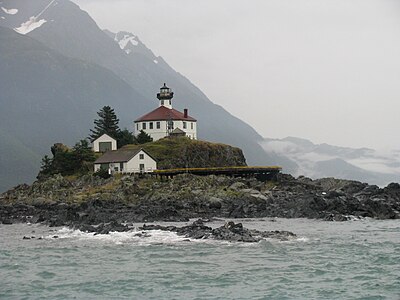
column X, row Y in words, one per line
column 325, row 70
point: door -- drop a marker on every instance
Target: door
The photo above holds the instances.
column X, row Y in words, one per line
column 141, row 167
column 105, row 146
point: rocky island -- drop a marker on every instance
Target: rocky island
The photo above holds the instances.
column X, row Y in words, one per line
column 97, row 203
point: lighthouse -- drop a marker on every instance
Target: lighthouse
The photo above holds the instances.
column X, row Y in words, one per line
column 165, row 120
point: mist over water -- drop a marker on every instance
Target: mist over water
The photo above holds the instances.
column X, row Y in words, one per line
column 327, row 260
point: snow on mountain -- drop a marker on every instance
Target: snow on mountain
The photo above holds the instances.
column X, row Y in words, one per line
column 11, row 11
column 131, row 44
column 125, row 40
column 30, row 25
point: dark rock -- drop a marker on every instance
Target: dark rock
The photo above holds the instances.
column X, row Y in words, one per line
column 232, row 232
column 337, row 217
column 175, row 200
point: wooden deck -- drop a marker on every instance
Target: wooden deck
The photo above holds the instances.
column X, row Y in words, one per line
column 261, row 173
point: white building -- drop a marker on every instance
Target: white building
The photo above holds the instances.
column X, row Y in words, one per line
column 104, row 143
column 126, row 161
column 162, row 121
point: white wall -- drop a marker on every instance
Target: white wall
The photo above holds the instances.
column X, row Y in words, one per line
column 133, row 165
column 157, row 134
column 104, row 138
column 115, row 167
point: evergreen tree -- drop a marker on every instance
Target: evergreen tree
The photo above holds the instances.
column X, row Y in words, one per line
column 45, row 168
column 125, row 138
column 66, row 161
column 143, row 138
column 83, row 156
column 107, row 123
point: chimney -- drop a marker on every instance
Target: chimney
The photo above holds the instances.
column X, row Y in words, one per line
column 185, row 113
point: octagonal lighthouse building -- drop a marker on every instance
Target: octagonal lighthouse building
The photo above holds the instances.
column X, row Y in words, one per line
column 165, row 121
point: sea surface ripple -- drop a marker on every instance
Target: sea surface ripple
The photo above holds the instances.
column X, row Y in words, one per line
column 328, row 260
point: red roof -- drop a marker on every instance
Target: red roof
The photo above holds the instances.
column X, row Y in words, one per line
column 163, row 113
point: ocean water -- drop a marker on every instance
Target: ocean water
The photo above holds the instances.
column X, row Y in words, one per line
column 328, row 260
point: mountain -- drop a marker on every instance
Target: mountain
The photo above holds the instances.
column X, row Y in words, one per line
column 76, row 68
column 47, row 98
column 323, row 160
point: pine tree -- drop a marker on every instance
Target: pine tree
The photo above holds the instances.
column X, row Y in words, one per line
column 107, row 123
column 83, row 156
column 125, row 137
column 143, row 138
column 46, row 167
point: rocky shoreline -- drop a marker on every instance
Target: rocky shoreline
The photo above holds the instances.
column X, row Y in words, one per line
column 90, row 200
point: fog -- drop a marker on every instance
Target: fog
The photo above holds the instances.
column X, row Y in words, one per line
column 325, row 70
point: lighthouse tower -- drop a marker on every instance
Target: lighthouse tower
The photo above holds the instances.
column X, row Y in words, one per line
column 165, row 96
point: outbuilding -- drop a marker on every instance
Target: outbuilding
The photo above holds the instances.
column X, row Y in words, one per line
column 126, row 161
column 104, row 143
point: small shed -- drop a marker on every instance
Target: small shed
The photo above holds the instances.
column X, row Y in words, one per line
column 126, row 161
column 104, row 143
column 177, row 132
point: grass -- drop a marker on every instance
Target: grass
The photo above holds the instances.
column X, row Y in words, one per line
column 182, row 151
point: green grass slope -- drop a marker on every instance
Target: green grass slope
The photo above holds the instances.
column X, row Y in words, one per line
column 186, row 153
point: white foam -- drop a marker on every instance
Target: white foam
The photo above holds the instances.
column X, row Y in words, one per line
column 11, row 11
column 302, row 239
column 30, row 25
column 134, row 236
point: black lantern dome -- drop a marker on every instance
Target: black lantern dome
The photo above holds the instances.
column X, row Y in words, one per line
column 165, row 93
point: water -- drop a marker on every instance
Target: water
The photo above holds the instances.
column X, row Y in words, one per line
column 328, row 260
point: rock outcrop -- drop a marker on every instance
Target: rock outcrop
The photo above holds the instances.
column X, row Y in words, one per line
column 91, row 200
column 232, row 232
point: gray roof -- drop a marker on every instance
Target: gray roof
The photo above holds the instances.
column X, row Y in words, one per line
column 178, row 131
column 117, row 156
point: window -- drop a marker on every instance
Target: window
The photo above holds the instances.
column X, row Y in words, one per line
column 158, row 125
column 184, row 125
column 144, row 126
column 151, row 125
column 162, row 102
column 137, row 126
column 191, row 124
column 121, row 166
column 116, row 169
column 141, row 156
